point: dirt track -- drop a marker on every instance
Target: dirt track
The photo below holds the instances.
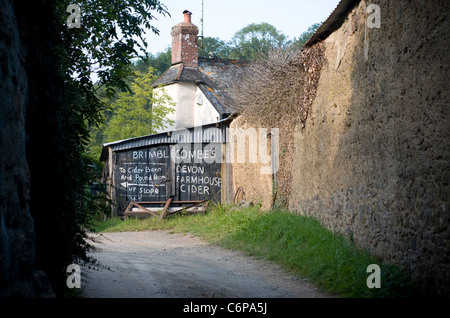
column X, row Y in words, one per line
column 156, row 264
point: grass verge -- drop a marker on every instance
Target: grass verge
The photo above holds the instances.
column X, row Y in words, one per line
column 299, row 244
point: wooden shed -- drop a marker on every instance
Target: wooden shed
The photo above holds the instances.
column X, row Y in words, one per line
column 184, row 165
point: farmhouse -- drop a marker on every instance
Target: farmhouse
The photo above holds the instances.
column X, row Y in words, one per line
column 197, row 85
column 185, row 161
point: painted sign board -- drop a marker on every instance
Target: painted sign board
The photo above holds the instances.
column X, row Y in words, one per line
column 183, row 172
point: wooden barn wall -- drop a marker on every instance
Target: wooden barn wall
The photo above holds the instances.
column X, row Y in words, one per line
column 185, row 172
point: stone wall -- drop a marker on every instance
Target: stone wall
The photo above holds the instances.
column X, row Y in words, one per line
column 18, row 277
column 373, row 160
column 246, row 173
column 16, row 225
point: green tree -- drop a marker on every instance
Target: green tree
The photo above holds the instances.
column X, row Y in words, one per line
column 213, row 47
column 139, row 112
column 133, row 113
column 305, row 36
column 255, row 40
column 160, row 62
column 252, row 42
column 111, row 34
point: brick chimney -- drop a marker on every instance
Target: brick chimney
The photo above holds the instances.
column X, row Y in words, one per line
column 184, row 42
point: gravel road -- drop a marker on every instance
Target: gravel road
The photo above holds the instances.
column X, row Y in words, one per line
column 157, row 264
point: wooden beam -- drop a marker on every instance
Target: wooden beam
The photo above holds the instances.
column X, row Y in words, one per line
column 192, row 206
column 163, row 212
column 174, row 202
column 143, row 211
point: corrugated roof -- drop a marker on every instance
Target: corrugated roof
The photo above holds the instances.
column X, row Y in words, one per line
column 211, row 133
column 333, row 22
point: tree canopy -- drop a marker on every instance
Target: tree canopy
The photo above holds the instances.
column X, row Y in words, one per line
column 111, row 34
column 255, row 40
column 252, row 42
column 137, row 112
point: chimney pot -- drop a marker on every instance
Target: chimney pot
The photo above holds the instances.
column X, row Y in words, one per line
column 187, row 16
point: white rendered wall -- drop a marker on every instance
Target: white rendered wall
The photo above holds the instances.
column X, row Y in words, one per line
column 192, row 107
column 204, row 111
